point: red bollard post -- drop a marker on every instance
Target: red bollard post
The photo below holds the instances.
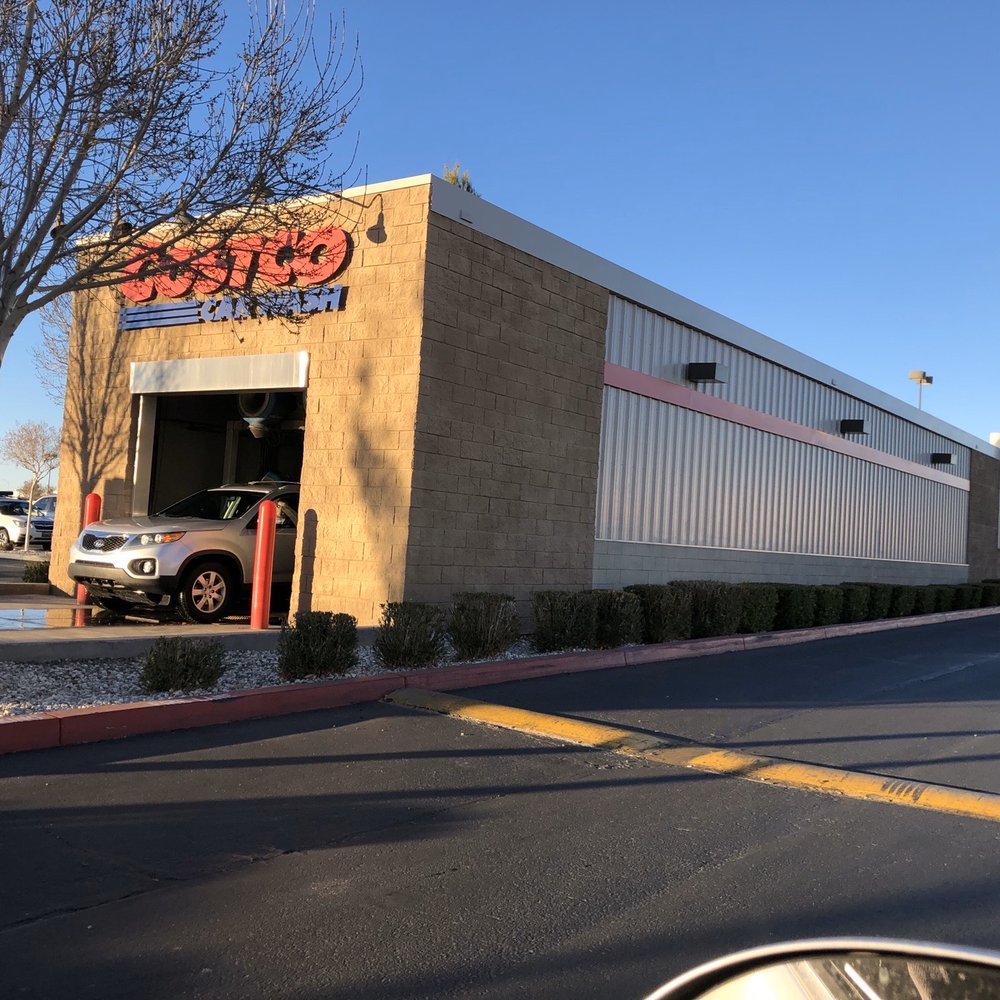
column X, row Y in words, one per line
column 91, row 513
column 263, row 566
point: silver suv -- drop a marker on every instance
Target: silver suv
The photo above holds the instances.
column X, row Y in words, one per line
column 199, row 551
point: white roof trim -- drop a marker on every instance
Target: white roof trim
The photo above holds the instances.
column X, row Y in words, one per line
column 240, row 373
column 460, row 206
column 361, row 190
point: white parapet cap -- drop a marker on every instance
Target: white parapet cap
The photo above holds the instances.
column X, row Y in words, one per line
column 478, row 214
column 235, row 373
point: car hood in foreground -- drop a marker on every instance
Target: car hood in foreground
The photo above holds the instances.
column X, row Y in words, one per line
column 150, row 525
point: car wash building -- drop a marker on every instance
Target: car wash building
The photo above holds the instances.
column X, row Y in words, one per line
column 472, row 403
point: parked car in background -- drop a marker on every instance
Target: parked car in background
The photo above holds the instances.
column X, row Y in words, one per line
column 198, row 552
column 47, row 505
column 14, row 520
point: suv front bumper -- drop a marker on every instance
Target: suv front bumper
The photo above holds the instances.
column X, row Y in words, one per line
column 103, row 578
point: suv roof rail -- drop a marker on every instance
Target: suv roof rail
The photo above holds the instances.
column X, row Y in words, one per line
column 269, row 483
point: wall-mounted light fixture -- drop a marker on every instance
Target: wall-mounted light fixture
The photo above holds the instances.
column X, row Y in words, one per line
column 943, row 458
column 852, row 427
column 120, row 228
column 706, row 371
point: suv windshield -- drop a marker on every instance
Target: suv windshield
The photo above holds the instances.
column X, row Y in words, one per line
column 19, row 508
column 214, row 505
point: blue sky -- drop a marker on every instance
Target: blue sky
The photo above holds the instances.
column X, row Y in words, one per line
column 824, row 173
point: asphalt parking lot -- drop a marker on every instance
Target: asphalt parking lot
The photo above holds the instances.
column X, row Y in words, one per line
column 380, row 850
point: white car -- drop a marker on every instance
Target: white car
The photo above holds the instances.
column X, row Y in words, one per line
column 47, row 505
column 14, row 517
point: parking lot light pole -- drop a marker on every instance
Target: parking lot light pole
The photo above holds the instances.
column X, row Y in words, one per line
column 263, row 566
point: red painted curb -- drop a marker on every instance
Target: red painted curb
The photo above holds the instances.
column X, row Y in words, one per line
column 288, row 699
column 762, row 640
column 28, row 732
column 70, row 727
column 636, row 656
column 500, row 671
column 112, row 722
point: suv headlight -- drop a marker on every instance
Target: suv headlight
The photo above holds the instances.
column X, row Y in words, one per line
column 161, row 537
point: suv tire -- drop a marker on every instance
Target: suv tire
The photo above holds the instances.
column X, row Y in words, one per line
column 206, row 593
column 5, row 543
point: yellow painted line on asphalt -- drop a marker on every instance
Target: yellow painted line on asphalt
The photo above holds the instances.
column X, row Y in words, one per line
column 714, row 760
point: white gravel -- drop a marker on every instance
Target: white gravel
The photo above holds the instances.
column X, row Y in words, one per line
column 62, row 684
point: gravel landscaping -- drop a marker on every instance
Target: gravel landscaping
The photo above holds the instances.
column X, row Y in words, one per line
column 62, row 684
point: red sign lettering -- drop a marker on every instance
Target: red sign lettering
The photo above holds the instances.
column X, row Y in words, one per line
column 287, row 258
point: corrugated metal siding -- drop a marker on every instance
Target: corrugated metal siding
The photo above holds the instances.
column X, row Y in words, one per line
column 648, row 342
column 671, row 475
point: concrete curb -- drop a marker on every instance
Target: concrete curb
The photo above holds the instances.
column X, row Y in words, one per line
column 9, row 587
column 42, row 646
column 71, row 727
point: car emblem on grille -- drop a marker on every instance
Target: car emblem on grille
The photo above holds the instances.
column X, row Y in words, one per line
column 98, row 543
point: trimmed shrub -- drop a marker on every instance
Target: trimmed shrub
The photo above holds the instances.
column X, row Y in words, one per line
column 619, row 618
column 715, row 609
column 829, row 604
column 175, row 664
column 666, row 610
column 944, row 597
column 796, row 606
column 410, row 634
column 35, row 572
column 879, row 600
column 968, row 595
column 904, row 601
column 991, row 594
column 320, row 643
column 926, row 601
column 564, row 619
column 758, row 606
column 856, row 598
column 483, row 625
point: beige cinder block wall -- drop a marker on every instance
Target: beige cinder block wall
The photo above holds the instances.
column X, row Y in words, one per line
column 99, row 420
column 361, row 403
column 360, row 413
column 508, row 421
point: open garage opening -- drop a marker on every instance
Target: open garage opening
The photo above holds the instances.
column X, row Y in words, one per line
column 205, row 440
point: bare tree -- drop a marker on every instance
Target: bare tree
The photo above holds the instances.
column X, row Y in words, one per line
column 33, row 446
column 51, row 356
column 117, row 124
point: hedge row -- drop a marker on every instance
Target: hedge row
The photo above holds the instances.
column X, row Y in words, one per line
column 482, row 625
column 410, row 634
column 413, row 634
column 701, row 608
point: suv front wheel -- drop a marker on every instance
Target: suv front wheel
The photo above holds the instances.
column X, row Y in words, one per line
column 206, row 593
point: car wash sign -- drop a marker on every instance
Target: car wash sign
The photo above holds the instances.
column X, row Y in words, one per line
column 297, row 264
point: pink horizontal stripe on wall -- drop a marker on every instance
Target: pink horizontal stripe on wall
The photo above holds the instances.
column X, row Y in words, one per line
column 690, row 399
